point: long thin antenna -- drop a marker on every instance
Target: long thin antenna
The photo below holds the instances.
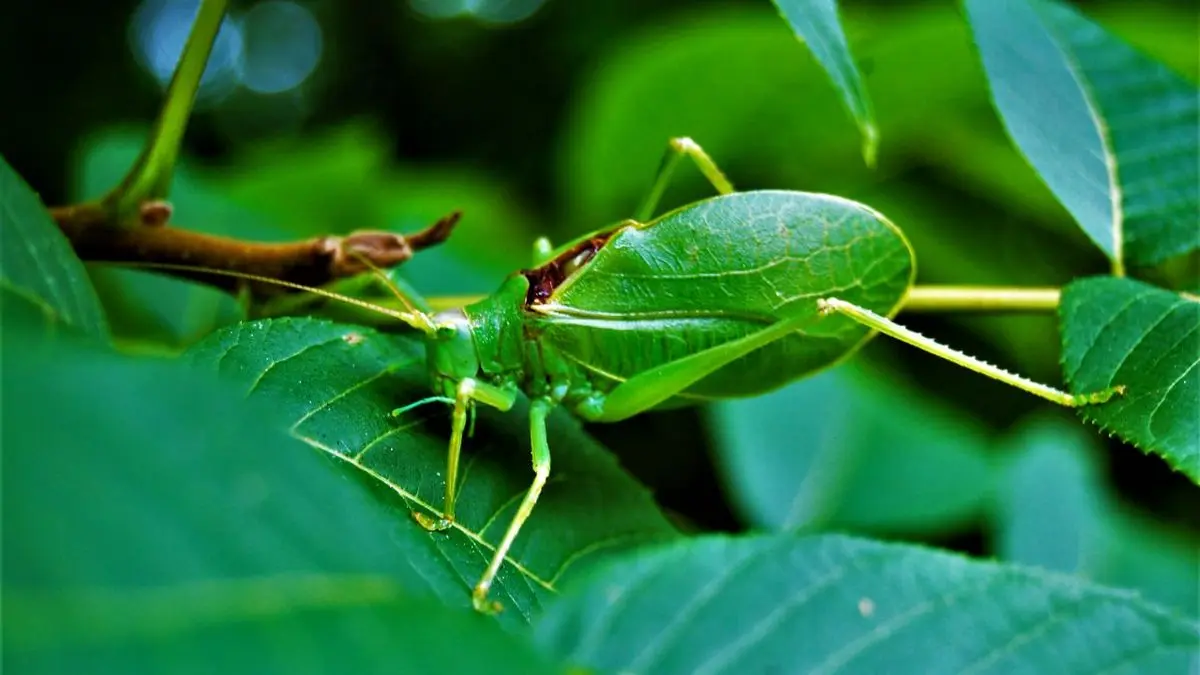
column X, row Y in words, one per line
column 415, row 319
column 383, row 278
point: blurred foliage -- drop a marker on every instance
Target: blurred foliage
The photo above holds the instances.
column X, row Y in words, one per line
column 554, row 124
column 206, row 535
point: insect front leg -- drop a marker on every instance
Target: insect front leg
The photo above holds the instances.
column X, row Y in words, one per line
column 463, row 401
column 538, row 411
column 888, row 327
column 677, row 148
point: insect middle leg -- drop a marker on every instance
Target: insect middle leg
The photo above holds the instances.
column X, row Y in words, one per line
column 539, row 409
column 677, row 148
column 888, row 327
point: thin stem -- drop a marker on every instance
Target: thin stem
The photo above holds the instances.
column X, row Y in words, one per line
column 981, row 299
column 150, row 176
column 1118, row 265
column 218, row 261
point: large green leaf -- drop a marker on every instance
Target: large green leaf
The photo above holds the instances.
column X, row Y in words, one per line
column 155, row 522
column 36, row 260
column 810, row 456
column 1054, row 511
column 825, row 604
column 1115, row 134
column 1123, row 332
column 816, row 23
column 976, row 155
column 337, row 384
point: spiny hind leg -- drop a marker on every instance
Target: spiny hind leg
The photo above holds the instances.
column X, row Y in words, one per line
column 888, row 327
column 676, row 149
column 538, row 411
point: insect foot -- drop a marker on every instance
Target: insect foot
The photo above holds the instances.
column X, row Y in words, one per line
column 432, row 524
column 480, row 600
column 1098, row 397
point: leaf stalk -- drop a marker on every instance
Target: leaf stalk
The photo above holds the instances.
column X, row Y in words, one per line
column 981, row 299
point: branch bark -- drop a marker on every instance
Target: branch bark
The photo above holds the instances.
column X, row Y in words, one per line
column 311, row 262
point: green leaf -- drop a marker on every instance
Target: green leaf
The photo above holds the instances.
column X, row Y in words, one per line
column 816, row 23
column 1053, row 510
column 1112, row 132
column 156, row 522
column 337, row 385
column 811, row 456
column 1123, row 332
column 36, row 260
column 824, row 604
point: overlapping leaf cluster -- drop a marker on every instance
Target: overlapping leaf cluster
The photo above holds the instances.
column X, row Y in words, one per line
column 1113, row 134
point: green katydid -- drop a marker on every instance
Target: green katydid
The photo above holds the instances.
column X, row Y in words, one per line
column 732, row 296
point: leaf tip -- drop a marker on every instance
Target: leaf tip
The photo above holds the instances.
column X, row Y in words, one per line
column 870, row 146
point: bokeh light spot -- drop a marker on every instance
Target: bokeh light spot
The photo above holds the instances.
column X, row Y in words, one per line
column 158, row 32
column 281, row 45
column 487, row 11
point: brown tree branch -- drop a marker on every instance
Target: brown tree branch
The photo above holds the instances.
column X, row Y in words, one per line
column 312, row 262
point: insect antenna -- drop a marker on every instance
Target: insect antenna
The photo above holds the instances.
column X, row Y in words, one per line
column 414, row 319
column 382, row 277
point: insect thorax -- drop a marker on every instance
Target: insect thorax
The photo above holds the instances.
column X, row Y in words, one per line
column 509, row 350
column 451, row 352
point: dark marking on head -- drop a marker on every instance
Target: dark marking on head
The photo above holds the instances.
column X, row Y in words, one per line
column 544, row 280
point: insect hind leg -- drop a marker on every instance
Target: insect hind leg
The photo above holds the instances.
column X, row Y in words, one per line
column 655, row 385
column 676, row 149
column 888, row 327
